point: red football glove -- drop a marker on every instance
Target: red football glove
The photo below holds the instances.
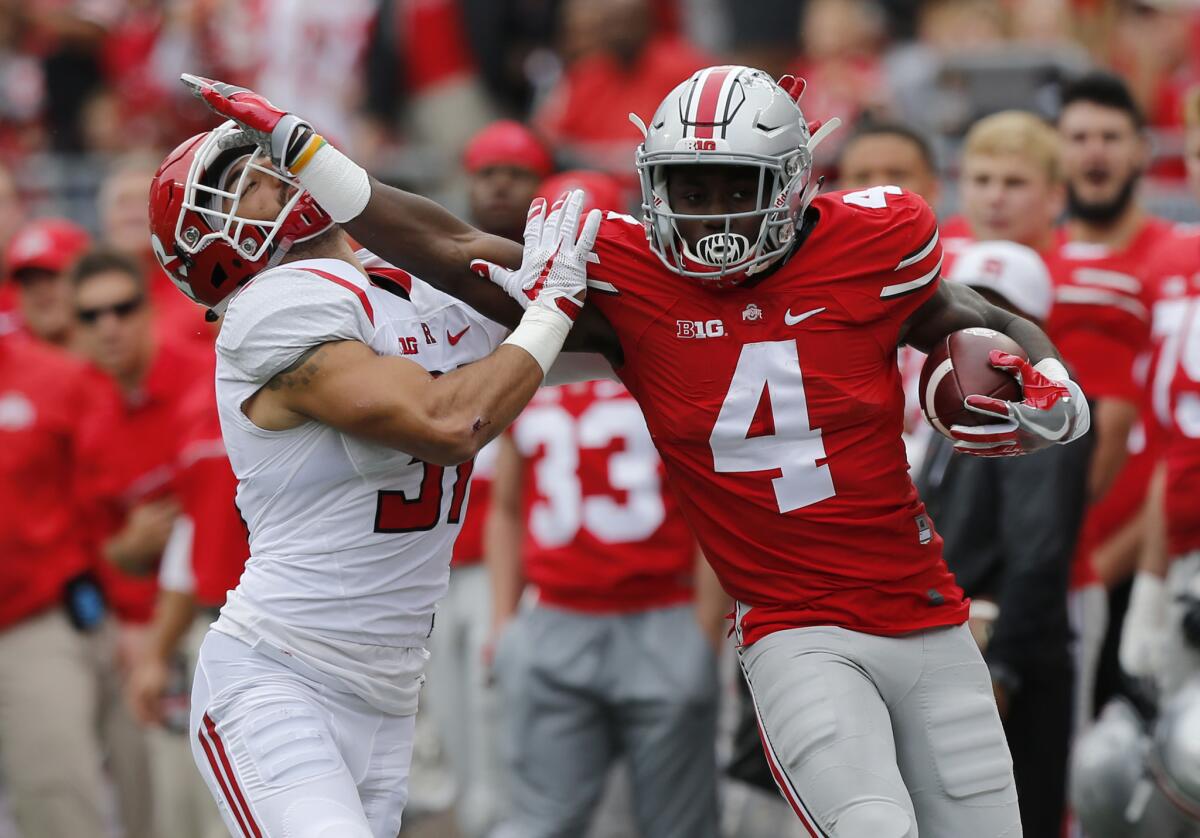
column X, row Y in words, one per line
column 282, row 136
column 1053, row 411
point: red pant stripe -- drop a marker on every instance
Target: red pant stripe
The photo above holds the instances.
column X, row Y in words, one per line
column 211, row 727
column 216, row 770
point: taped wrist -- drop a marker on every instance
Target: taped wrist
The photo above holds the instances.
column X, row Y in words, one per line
column 336, row 182
column 541, row 333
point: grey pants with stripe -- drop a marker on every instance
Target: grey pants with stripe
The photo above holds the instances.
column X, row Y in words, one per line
column 580, row 690
column 884, row 737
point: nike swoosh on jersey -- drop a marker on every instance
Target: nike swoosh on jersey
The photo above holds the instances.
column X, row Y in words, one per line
column 454, row 339
column 792, row 320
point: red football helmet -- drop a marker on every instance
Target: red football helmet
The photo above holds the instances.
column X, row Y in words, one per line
column 206, row 248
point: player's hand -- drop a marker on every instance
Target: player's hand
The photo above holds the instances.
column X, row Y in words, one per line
column 1054, row 411
column 553, row 271
column 1142, row 651
column 281, row 135
column 144, row 692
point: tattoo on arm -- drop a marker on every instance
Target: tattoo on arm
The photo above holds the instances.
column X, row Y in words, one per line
column 299, row 373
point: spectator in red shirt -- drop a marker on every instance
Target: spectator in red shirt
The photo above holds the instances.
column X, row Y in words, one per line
column 616, row 64
column 59, row 690
column 505, row 164
column 131, row 439
column 37, row 260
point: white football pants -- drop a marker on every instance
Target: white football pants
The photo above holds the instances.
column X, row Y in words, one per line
column 286, row 755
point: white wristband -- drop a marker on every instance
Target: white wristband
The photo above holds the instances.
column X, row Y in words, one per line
column 336, row 182
column 541, row 333
column 1053, row 369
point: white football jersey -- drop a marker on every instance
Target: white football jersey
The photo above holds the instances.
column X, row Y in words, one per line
column 350, row 541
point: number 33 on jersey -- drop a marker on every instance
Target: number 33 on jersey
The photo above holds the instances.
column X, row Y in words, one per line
column 777, row 409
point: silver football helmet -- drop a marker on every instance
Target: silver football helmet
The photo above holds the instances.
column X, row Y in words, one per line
column 736, row 116
column 1175, row 754
column 1120, row 783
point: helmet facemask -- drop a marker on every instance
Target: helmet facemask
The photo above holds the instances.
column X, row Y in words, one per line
column 725, row 256
column 209, row 192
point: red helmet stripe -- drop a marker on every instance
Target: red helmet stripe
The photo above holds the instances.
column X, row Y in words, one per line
column 710, row 97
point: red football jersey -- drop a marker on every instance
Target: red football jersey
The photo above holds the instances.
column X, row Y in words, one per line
column 777, row 407
column 1101, row 324
column 603, row 533
column 468, row 547
column 1101, row 316
column 1175, row 388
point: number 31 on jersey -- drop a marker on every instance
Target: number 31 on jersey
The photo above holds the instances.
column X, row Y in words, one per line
column 763, row 425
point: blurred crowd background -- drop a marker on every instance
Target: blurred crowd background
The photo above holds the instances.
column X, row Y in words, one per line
column 402, row 84
column 474, row 103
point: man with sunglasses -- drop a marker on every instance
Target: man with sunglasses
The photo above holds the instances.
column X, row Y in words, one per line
column 131, row 444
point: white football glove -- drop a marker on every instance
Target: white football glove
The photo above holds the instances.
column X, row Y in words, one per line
column 1054, row 411
column 1142, row 651
column 553, row 271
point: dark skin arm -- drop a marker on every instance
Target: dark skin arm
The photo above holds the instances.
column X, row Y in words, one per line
column 423, row 237
column 955, row 306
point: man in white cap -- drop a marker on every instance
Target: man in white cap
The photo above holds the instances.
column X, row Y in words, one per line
column 1010, row 526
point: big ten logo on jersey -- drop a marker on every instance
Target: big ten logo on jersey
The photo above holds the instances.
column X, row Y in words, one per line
column 699, row 329
column 409, row 345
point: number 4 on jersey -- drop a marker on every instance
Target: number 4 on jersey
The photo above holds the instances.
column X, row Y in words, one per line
column 874, row 197
column 763, row 425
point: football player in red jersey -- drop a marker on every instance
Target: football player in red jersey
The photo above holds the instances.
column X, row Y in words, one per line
column 607, row 658
column 1152, row 639
column 1101, row 322
column 769, row 382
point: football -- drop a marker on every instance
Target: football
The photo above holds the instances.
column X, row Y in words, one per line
column 958, row 367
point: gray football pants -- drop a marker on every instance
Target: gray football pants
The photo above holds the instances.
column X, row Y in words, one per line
column 884, row 737
column 580, row 690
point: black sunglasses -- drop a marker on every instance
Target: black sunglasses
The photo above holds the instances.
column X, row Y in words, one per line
column 121, row 310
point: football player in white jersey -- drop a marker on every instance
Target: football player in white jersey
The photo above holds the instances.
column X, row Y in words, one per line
column 353, row 452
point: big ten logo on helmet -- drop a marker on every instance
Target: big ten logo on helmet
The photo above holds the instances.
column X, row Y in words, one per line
column 699, row 329
column 689, row 144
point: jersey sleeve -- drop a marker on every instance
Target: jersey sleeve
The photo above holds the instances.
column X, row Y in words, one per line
column 910, row 256
column 278, row 317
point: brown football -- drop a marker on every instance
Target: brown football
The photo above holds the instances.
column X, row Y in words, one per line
column 958, row 367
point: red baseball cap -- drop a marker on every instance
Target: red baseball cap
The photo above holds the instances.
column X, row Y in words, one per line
column 48, row 244
column 600, row 190
column 507, row 143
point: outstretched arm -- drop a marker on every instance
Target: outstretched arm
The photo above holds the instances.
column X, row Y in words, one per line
column 408, row 230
